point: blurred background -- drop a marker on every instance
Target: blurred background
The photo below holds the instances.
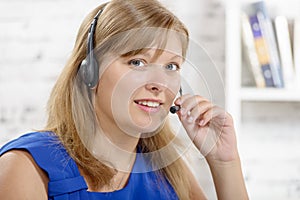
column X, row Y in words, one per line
column 37, row 36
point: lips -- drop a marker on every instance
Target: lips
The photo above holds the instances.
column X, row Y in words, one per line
column 149, row 105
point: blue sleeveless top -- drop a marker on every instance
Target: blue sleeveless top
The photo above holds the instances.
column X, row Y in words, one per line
column 66, row 183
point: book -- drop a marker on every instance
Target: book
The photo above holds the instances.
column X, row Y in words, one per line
column 296, row 48
column 285, row 50
column 261, row 51
column 250, row 51
column 259, row 10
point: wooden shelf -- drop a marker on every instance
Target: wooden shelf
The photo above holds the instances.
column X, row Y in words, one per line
column 270, row 94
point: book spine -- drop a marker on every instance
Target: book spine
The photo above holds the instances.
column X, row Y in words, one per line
column 285, row 50
column 250, row 52
column 267, row 31
column 262, row 51
column 296, row 47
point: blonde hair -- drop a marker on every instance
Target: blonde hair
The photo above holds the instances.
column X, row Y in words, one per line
column 118, row 16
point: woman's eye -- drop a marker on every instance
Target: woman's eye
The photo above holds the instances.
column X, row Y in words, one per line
column 137, row 63
column 172, row 67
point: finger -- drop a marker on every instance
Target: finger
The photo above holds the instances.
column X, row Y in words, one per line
column 198, row 111
column 211, row 114
column 181, row 99
column 190, row 103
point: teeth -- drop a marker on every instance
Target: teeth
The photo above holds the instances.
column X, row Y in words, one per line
column 149, row 103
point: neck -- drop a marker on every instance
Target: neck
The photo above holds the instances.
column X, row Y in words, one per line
column 120, row 139
column 117, row 137
column 114, row 147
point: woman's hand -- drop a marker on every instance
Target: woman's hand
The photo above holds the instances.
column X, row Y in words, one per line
column 209, row 127
column 212, row 131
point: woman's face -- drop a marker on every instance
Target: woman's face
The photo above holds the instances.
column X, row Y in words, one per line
column 136, row 92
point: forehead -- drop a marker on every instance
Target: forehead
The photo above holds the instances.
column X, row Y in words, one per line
column 139, row 40
column 170, row 47
column 155, row 54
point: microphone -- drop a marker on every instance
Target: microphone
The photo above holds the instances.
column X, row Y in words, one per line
column 174, row 109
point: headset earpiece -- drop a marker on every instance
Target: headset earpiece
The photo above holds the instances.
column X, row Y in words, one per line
column 89, row 71
column 89, row 68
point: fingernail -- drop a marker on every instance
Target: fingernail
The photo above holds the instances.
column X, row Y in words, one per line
column 201, row 123
column 190, row 119
column 182, row 111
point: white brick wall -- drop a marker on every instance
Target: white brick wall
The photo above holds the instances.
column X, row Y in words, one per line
column 36, row 37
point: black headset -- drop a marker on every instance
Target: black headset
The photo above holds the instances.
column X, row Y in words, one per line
column 89, row 68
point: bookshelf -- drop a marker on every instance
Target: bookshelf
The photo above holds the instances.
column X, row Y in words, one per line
column 236, row 92
column 269, row 94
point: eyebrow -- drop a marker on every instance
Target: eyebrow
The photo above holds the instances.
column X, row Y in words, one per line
column 146, row 54
column 176, row 56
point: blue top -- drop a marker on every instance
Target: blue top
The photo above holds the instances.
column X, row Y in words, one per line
column 65, row 181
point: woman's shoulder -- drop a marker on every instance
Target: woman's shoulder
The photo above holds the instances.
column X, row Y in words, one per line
column 47, row 152
column 21, row 177
column 30, row 140
column 40, row 145
column 39, row 155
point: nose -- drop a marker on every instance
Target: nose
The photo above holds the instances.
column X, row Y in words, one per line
column 154, row 87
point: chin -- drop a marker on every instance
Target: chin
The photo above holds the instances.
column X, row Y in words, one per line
column 151, row 128
column 139, row 121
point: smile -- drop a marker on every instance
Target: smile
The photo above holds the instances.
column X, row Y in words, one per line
column 148, row 105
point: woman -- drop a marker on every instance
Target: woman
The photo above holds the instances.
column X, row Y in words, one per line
column 107, row 135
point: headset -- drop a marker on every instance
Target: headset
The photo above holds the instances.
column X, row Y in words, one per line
column 89, row 68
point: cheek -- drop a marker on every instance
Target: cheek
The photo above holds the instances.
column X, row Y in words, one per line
column 103, row 99
column 170, row 97
column 105, row 90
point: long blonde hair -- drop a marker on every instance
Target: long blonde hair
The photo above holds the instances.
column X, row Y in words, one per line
column 118, row 16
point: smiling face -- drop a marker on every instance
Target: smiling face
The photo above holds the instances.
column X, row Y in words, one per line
column 135, row 92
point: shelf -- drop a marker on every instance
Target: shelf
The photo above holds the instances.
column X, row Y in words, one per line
column 270, row 94
column 236, row 94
